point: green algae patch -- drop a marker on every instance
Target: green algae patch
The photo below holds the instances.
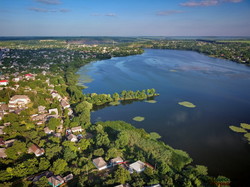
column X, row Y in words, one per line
column 173, row 70
column 187, row 104
column 247, row 135
column 151, row 101
column 114, row 103
column 245, row 126
column 237, row 129
column 138, row 118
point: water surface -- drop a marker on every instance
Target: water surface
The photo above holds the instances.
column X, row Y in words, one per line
column 220, row 90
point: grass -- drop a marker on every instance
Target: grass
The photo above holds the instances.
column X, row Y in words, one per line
column 245, row 126
column 237, row 129
column 151, row 101
column 138, row 118
column 114, row 103
column 187, row 104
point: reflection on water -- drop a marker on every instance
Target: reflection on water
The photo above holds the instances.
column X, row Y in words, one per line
column 219, row 88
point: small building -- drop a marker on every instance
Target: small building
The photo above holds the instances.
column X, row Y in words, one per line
column 1, row 130
column 65, row 104
column 77, row 129
column 137, row 166
column 19, row 100
column 72, row 138
column 68, row 177
column 36, row 150
column 10, row 142
column 2, row 153
column 4, row 82
column 55, row 181
column 53, row 110
column 100, row 163
column 116, row 160
column 42, row 109
column 48, row 131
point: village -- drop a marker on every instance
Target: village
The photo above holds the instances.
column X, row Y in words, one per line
column 21, row 91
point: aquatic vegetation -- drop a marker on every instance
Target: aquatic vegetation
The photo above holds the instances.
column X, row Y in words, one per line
column 187, row 104
column 114, row 103
column 150, row 101
column 173, row 70
column 247, row 135
column 138, row 118
column 237, row 129
column 245, row 126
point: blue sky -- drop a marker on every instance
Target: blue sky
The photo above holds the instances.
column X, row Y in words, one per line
column 124, row 18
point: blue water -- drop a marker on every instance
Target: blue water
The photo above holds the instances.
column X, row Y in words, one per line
column 220, row 89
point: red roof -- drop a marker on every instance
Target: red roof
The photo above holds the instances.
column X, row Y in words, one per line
column 28, row 75
column 4, row 81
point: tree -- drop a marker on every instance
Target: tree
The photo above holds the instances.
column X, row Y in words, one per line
column 53, row 123
column 59, row 166
column 69, row 154
column 4, row 175
column 122, row 139
column 83, row 144
column 154, row 135
column 122, row 175
column 115, row 96
column 102, row 139
column 201, row 170
column 98, row 152
column 43, row 182
column 112, row 153
column 52, row 150
column 82, row 106
column 44, row 164
column 15, row 151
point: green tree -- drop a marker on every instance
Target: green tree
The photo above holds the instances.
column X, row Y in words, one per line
column 83, row 144
column 122, row 175
column 59, row 166
column 98, row 152
column 44, row 164
column 53, row 123
column 43, row 182
column 201, row 170
column 116, row 96
column 15, row 151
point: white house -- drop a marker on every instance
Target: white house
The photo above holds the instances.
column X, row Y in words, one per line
column 137, row 166
column 100, row 163
column 72, row 138
column 19, row 100
column 77, row 129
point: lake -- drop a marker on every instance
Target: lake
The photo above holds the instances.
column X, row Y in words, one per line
column 220, row 89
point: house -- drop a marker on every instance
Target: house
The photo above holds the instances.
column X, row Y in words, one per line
column 48, row 131
column 29, row 76
column 65, row 104
column 42, row 109
column 53, row 110
column 68, row 177
column 19, row 100
column 137, row 166
column 4, row 82
column 55, row 95
column 55, row 181
column 100, row 163
column 116, row 160
column 72, row 138
column 1, row 130
column 10, row 142
column 2, row 153
column 77, row 129
column 2, row 142
column 36, row 150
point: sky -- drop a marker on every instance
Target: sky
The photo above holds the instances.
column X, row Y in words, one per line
column 124, row 17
